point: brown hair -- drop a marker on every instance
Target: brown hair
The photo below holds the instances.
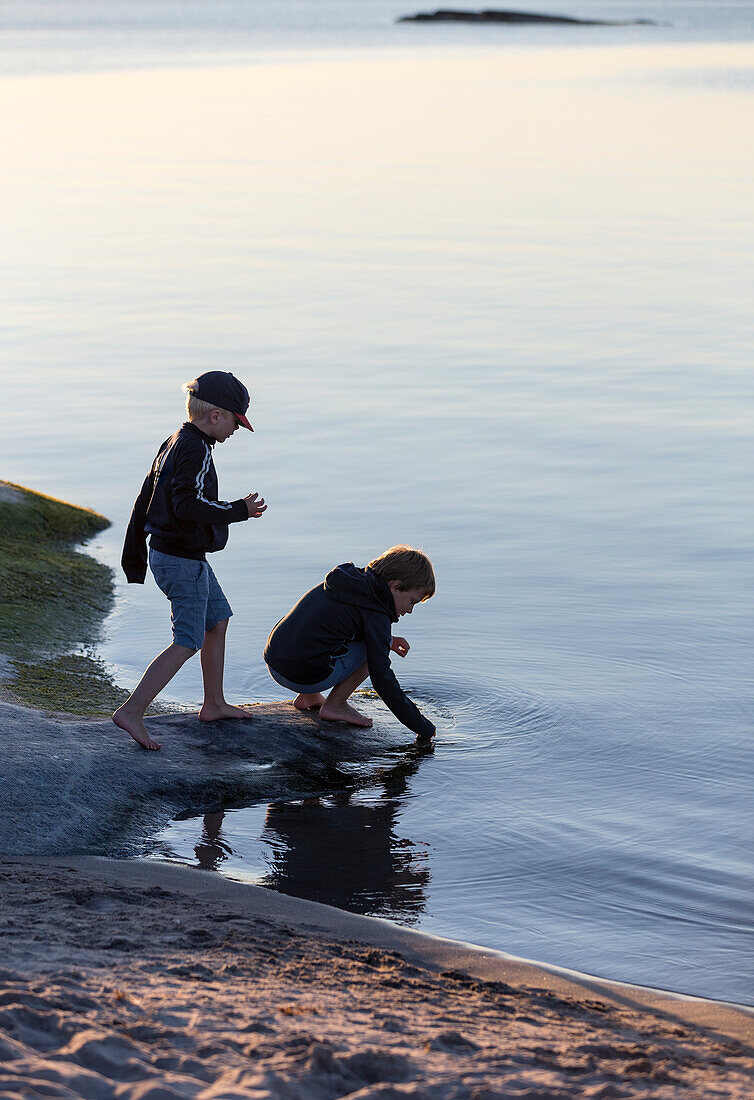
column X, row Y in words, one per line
column 410, row 567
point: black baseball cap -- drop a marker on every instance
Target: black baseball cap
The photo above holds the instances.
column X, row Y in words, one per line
column 221, row 388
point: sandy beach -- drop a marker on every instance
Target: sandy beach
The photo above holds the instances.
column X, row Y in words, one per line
column 133, row 979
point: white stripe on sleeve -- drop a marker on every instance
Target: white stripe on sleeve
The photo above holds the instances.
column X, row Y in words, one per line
column 224, row 506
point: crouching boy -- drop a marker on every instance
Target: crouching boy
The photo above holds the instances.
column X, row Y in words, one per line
column 340, row 632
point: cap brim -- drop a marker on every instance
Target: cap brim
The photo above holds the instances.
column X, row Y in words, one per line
column 242, row 420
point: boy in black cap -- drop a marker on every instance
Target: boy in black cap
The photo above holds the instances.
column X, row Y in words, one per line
column 178, row 508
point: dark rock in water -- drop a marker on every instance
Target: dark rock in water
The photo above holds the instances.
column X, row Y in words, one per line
column 82, row 785
column 492, row 16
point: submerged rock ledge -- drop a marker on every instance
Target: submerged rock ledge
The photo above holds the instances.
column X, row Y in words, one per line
column 79, row 785
column 451, row 15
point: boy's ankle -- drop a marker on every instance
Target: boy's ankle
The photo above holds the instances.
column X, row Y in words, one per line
column 213, row 704
column 131, row 710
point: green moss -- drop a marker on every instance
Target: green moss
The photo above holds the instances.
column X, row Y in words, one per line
column 53, row 597
column 54, row 601
column 72, row 683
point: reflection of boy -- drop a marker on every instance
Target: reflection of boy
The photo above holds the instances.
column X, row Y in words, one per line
column 179, row 510
column 339, row 632
column 348, row 855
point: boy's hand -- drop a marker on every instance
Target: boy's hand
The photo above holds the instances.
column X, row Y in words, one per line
column 255, row 506
column 400, row 646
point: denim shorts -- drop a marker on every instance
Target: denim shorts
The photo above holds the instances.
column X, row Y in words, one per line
column 196, row 599
column 344, row 667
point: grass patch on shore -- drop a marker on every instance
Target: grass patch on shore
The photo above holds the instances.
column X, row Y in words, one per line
column 54, row 600
column 73, row 683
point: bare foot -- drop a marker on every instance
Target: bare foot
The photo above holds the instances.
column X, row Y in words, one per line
column 341, row 712
column 214, row 712
column 134, row 724
column 309, row 702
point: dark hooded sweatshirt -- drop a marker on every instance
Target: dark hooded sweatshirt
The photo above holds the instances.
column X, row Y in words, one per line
column 351, row 605
column 178, row 506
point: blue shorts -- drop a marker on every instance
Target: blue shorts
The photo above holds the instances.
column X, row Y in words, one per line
column 197, row 603
column 345, row 666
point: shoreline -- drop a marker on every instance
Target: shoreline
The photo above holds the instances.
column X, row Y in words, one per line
column 427, row 946
column 122, row 807
column 644, row 993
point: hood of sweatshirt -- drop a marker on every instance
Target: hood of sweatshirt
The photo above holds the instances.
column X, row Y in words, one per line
column 362, row 587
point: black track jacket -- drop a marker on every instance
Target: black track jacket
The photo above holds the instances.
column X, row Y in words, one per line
column 351, row 605
column 178, row 505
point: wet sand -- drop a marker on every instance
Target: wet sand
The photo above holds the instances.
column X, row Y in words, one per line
column 133, row 979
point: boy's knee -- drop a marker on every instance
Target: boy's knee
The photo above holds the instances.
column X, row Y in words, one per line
column 218, row 628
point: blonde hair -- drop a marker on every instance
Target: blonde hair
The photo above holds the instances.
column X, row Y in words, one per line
column 196, row 409
column 411, row 568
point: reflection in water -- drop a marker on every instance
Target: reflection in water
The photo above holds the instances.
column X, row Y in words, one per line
column 212, row 849
column 339, row 849
column 346, row 855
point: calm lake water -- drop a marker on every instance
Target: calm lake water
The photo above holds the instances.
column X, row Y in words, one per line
column 492, row 296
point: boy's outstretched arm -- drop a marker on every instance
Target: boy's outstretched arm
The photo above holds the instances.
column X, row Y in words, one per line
column 378, row 642
column 191, row 465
